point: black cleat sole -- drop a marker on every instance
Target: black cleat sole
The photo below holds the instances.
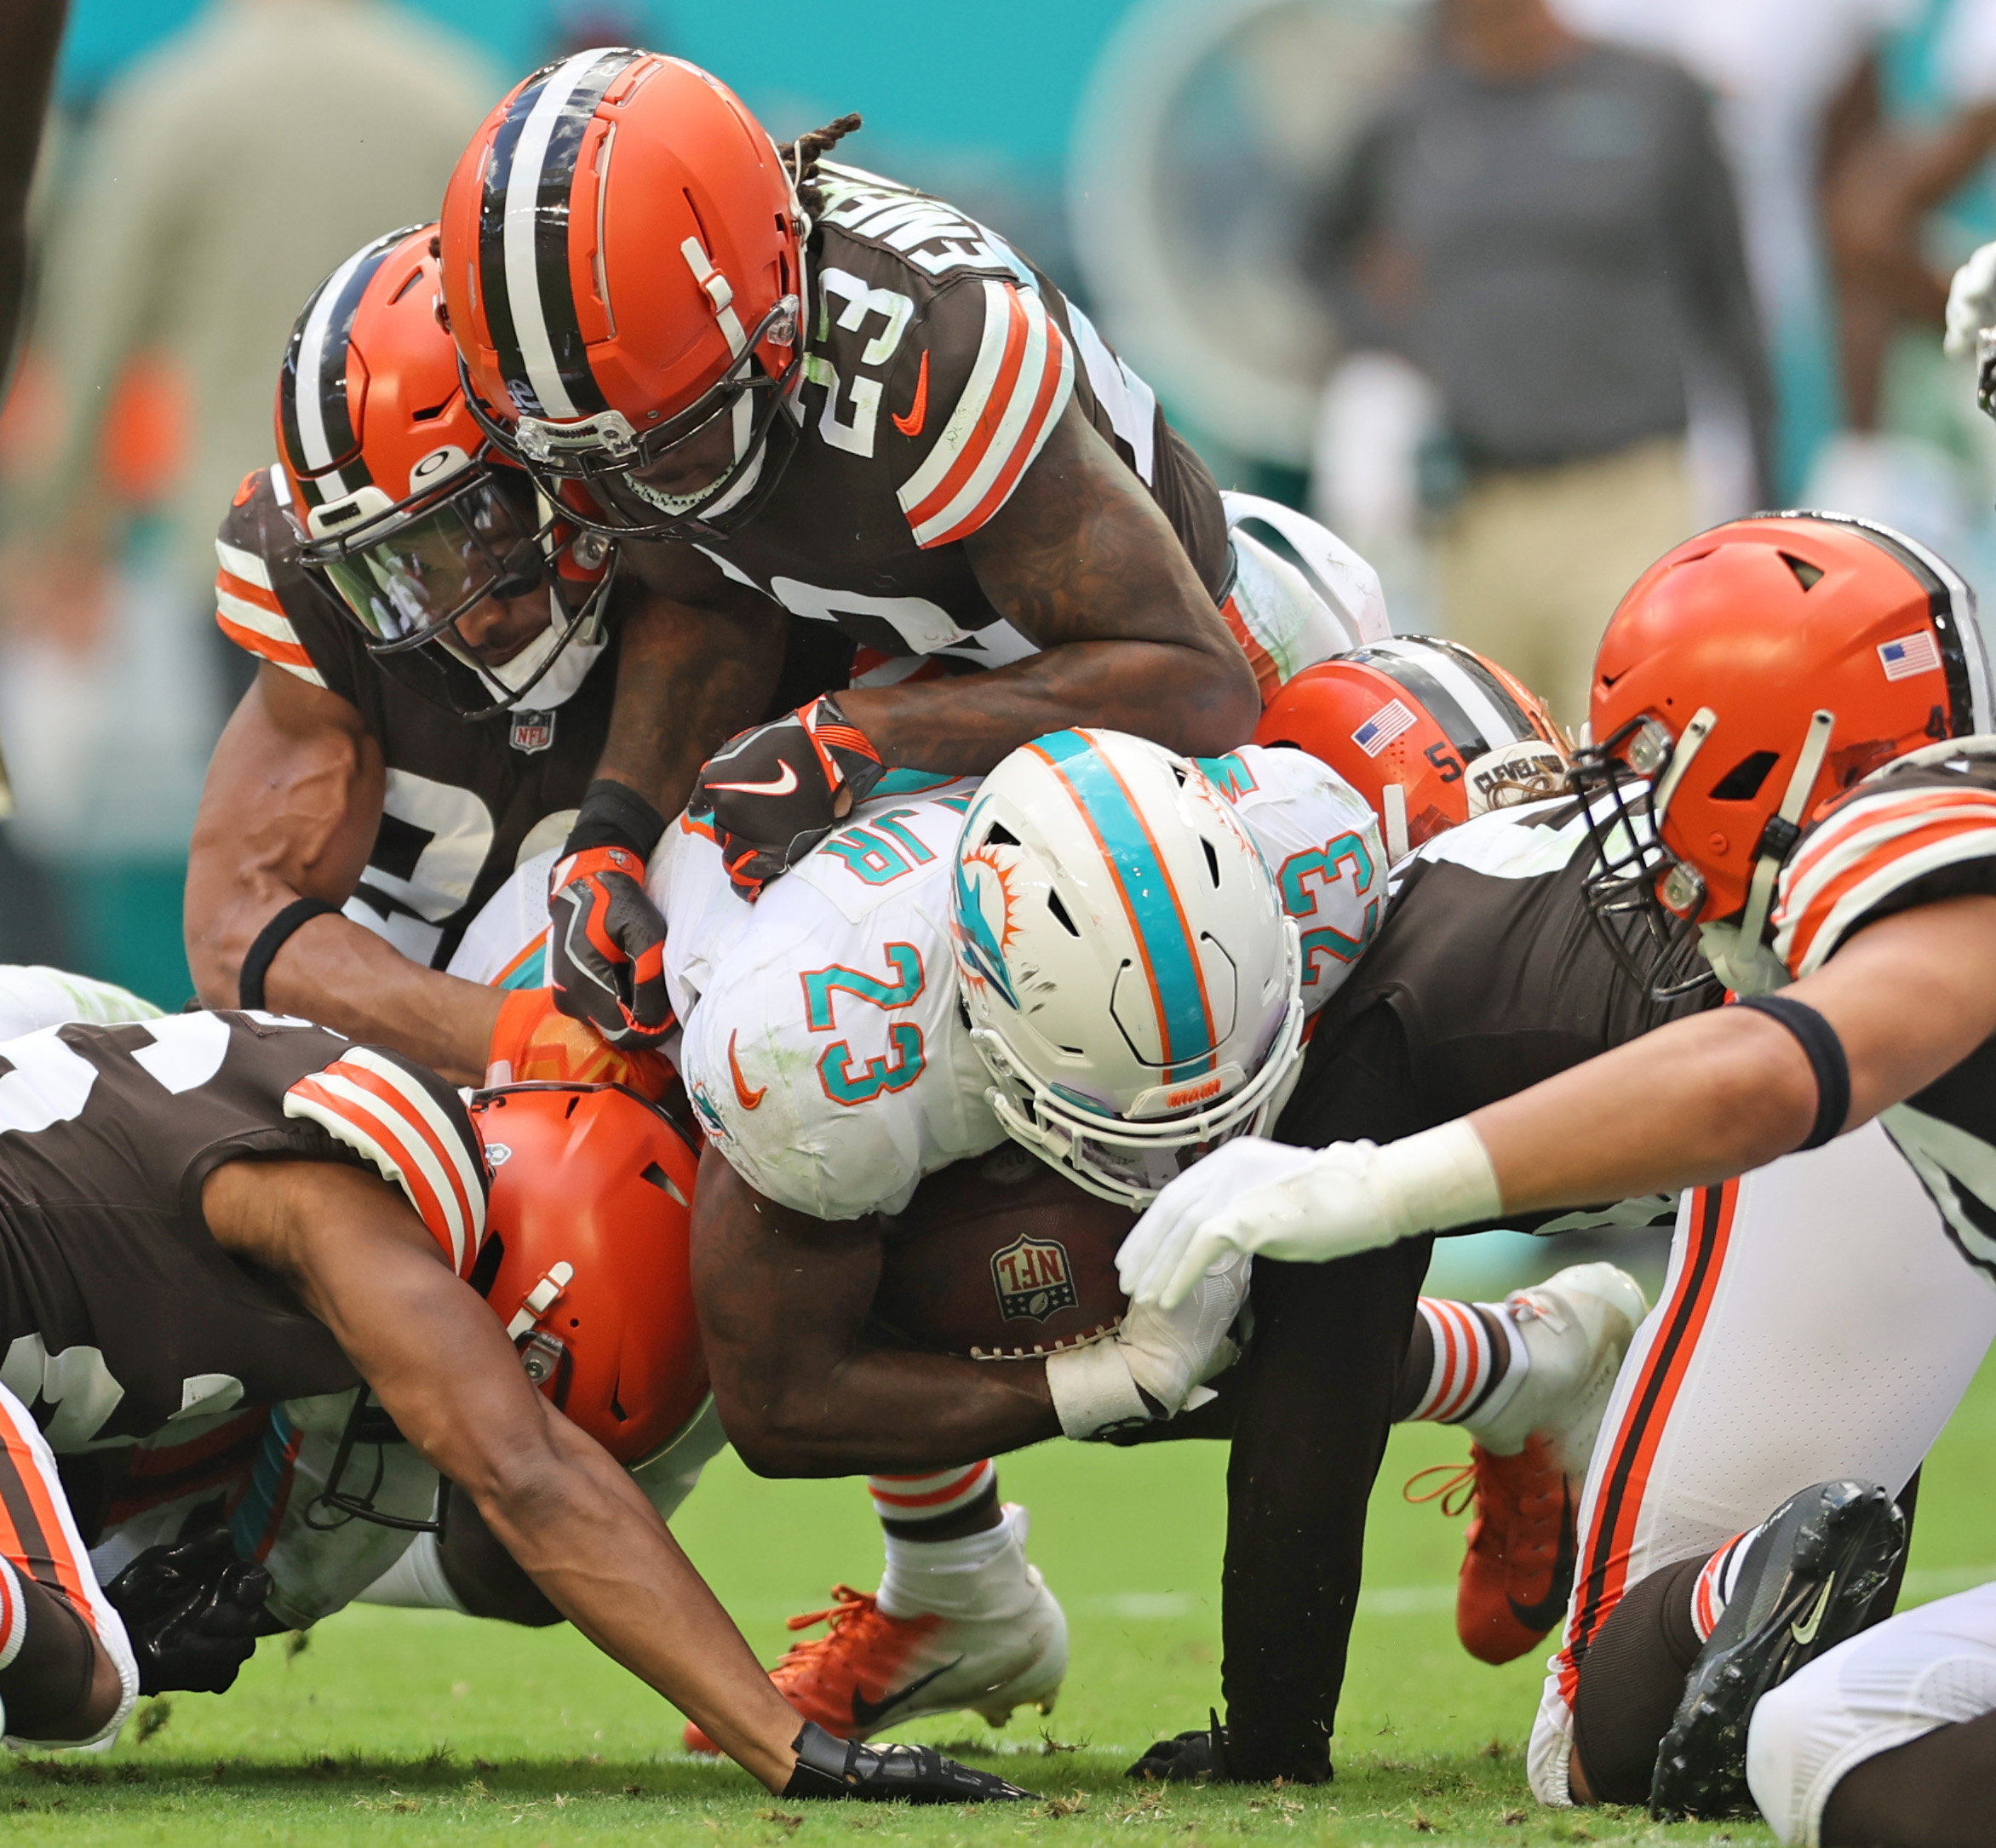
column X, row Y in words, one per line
column 1809, row 1582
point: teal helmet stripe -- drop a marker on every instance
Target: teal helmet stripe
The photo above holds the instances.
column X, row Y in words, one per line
column 1149, row 898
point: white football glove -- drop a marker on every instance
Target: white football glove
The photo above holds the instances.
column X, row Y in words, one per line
column 1971, row 303
column 1351, row 1198
column 1160, row 1356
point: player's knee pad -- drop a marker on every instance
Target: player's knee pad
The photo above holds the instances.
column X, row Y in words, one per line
column 1631, row 1684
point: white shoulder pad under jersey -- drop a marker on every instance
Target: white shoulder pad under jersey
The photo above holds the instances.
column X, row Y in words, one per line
column 32, row 996
column 1321, row 843
column 826, row 1054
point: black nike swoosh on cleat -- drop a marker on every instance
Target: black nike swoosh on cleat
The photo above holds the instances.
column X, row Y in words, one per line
column 866, row 1714
column 1542, row 1616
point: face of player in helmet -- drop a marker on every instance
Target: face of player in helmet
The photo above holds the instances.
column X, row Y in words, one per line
column 474, row 561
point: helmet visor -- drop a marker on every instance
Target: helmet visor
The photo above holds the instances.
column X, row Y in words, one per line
column 407, row 586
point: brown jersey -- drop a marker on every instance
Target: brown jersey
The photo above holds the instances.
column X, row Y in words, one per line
column 467, row 799
column 937, row 362
column 120, row 1315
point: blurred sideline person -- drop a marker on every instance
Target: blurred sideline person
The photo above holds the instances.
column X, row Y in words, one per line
column 31, row 35
column 265, row 1175
column 1801, row 790
column 785, row 383
column 1546, row 228
column 208, row 206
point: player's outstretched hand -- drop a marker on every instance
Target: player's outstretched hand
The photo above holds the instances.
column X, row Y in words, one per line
column 844, row 1769
column 1199, row 1756
column 1972, row 302
column 1158, row 1241
column 776, row 791
column 1304, row 1207
column 607, row 947
column 193, row 1611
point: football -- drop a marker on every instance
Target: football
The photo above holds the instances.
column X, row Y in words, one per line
column 1001, row 1258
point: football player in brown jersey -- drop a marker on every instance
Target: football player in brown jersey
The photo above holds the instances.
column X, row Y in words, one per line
column 305, row 1215
column 787, row 385
column 1793, row 774
column 434, row 697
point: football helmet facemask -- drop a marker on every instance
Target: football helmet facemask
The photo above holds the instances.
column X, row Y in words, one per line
column 401, row 503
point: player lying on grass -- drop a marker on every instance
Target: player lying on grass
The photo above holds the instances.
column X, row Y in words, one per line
column 1792, row 713
column 438, row 654
column 896, row 858
column 221, row 1209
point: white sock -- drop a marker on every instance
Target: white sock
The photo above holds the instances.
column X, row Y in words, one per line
column 980, row 1575
column 415, row 1581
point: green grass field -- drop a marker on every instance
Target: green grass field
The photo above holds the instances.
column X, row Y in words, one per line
column 415, row 1727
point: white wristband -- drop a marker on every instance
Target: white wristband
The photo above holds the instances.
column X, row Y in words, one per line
column 1093, row 1390
column 1439, row 1179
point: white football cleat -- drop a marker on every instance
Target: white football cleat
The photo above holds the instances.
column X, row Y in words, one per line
column 872, row 1671
column 1576, row 1326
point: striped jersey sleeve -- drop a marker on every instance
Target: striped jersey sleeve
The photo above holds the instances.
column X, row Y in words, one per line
column 1865, row 855
column 413, row 1129
column 990, row 382
column 248, row 601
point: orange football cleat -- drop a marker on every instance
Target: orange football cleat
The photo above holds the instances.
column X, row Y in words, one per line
column 870, row 1671
column 1518, row 1570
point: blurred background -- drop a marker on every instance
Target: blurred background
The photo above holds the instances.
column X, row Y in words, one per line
column 1513, row 294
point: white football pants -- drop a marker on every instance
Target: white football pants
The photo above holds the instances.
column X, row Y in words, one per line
column 1816, row 1322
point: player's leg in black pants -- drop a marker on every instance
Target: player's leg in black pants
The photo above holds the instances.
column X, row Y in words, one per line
column 1310, row 1423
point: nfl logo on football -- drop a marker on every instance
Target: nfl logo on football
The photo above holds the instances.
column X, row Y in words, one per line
column 1032, row 1279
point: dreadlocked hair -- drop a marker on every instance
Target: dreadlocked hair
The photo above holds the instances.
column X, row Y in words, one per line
column 804, row 154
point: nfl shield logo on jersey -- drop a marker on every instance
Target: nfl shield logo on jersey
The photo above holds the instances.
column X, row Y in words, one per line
column 1032, row 1279
column 532, row 730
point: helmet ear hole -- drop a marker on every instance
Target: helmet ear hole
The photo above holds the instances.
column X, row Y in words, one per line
column 1741, row 784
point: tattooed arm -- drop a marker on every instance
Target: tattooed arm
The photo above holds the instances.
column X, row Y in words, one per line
column 1081, row 561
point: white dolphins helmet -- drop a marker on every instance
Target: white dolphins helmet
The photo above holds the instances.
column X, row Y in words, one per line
column 1132, row 984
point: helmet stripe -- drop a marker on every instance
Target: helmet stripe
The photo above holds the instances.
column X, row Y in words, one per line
column 1472, row 724
column 319, row 425
column 1150, row 900
column 523, row 232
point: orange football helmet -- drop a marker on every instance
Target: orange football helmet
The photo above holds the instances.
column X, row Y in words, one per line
column 1428, row 731
column 1749, row 675
column 400, row 501
column 623, row 268
column 585, row 1256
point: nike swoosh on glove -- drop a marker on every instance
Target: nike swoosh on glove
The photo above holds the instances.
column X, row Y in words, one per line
column 607, row 947
column 533, row 1042
column 1349, row 1197
column 775, row 792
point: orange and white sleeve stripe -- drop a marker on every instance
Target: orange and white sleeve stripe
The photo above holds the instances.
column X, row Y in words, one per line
column 1019, row 385
column 1865, row 852
column 252, row 618
column 383, row 1112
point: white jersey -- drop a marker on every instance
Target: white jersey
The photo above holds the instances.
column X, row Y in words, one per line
column 32, row 997
column 828, row 1055
column 822, row 1043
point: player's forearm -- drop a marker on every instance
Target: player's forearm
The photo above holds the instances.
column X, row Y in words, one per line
column 687, row 681
column 341, row 975
column 876, row 1411
column 1691, row 1104
column 580, row 1529
column 1184, row 696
